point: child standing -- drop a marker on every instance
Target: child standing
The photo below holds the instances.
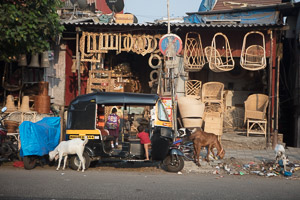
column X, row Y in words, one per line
column 145, row 140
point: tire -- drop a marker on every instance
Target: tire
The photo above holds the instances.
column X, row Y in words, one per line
column 29, row 162
column 173, row 163
column 74, row 161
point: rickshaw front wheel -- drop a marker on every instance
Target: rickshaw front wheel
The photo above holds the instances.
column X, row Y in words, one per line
column 173, row 163
column 29, row 162
column 74, row 161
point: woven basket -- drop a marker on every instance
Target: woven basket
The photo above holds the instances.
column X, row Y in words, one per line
column 192, row 122
column 190, row 107
column 11, row 126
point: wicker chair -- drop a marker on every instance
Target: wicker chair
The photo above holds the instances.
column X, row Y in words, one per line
column 212, row 92
column 193, row 88
column 256, row 106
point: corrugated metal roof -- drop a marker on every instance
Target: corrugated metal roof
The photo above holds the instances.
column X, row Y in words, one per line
column 220, row 3
column 93, row 24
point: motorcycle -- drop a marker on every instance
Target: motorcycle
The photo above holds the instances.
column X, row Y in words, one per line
column 8, row 144
column 186, row 148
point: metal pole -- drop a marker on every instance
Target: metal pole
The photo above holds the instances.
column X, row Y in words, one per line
column 168, row 7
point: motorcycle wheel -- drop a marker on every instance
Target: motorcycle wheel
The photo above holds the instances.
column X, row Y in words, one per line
column 29, row 162
column 74, row 161
column 173, row 163
column 5, row 150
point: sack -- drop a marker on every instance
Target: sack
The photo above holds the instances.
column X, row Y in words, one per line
column 112, row 122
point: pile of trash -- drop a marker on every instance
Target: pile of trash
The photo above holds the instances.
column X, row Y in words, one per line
column 264, row 168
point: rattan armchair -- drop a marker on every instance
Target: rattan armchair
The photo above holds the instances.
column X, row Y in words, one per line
column 256, row 106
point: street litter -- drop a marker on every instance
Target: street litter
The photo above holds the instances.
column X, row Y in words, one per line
column 261, row 174
column 287, row 173
column 271, row 174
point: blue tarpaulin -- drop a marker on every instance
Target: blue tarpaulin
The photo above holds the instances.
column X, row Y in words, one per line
column 207, row 5
column 265, row 16
column 39, row 138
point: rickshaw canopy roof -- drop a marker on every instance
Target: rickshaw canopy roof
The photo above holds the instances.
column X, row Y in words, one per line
column 116, row 98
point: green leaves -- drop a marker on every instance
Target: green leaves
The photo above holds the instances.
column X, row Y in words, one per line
column 28, row 27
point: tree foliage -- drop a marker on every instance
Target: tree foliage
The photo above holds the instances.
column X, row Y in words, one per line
column 28, row 27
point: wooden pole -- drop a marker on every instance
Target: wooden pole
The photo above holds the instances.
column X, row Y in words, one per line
column 78, row 61
column 168, row 7
column 270, row 92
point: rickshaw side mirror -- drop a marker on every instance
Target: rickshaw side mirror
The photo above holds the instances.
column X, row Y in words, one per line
column 3, row 109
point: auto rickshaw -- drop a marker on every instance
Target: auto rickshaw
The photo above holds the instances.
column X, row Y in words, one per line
column 84, row 111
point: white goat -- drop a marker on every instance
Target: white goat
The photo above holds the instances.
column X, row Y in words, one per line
column 74, row 146
column 280, row 155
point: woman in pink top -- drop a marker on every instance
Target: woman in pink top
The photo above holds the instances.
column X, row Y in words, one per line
column 145, row 140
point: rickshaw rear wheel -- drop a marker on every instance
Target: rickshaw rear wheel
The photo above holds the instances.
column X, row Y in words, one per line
column 173, row 163
column 74, row 161
column 29, row 162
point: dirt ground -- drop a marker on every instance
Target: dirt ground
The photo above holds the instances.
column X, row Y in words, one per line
column 225, row 167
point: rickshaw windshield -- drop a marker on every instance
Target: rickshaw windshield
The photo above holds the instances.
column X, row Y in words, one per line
column 162, row 113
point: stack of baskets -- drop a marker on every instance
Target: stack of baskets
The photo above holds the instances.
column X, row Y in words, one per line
column 42, row 100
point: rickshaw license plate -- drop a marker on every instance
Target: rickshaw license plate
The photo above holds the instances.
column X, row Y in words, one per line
column 81, row 136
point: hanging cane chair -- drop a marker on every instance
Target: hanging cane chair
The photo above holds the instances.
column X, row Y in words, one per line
column 253, row 57
column 193, row 52
column 218, row 62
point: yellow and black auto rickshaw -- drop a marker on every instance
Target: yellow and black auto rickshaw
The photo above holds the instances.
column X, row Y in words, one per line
column 84, row 111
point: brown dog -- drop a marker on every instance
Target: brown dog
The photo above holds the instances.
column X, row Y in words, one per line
column 202, row 139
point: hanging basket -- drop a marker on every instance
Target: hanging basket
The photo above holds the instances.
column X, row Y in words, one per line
column 253, row 57
column 218, row 62
column 193, row 52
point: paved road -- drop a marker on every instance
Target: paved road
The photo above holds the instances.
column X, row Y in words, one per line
column 46, row 183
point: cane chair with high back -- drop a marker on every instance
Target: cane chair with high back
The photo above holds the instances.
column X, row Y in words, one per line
column 256, row 106
column 212, row 92
column 255, row 114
